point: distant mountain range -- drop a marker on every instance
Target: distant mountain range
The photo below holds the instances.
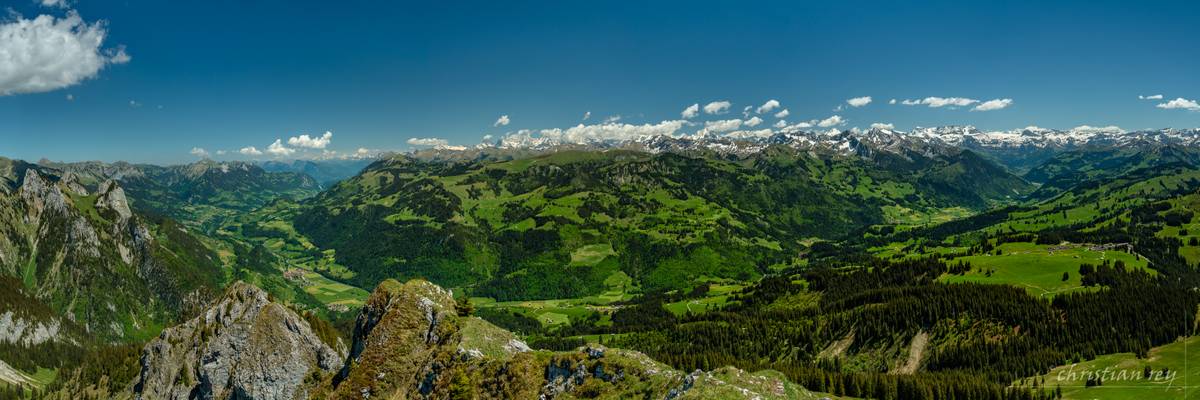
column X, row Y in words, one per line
column 1018, row 149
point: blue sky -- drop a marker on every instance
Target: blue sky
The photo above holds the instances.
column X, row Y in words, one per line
column 225, row 75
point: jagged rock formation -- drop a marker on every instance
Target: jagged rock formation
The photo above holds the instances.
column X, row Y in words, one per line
column 90, row 259
column 243, row 347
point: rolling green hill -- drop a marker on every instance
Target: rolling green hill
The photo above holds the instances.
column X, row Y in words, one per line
column 509, row 228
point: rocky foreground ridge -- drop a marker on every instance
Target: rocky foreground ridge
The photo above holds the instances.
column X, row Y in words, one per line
column 409, row 342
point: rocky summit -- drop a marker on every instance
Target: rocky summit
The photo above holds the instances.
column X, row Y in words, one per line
column 243, row 347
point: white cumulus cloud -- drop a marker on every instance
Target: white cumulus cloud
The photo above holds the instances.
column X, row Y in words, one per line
column 278, row 149
column 311, row 142
column 768, row 106
column 859, row 101
column 753, row 122
column 587, row 115
column 994, row 104
column 880, row 125
column 831, row 121
column 780, row 124
column 783, row 114
column 436, row 142
column 48, row 53
column 690, row 112
column 1111, row 129
column 720, row 126
column 936, row 102
column 717, row 107
column 584, row 134
column 250, row 151
column 1180, row 103
column 502, row 121
column 199, row 152
column 1151, row 97
column 363, row 152
column 892, row 101
column 55, row 3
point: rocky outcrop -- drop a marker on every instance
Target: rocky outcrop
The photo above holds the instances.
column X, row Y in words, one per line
column 41, row 195
column 28, row 332
column 71, row 181
column 243, row 347
column 111, row 197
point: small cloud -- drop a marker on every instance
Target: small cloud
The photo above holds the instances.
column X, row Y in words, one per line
column 134, row 104
column 487, row 137
column 278, row 149
column 768, row 106
column 220, row 152
column 995, row 104
column 1112, row 129
column 611, row 119
column 720, row 126
column 119, row 56
column 199, row 152
column 1151, row 97
column 717, row 107
column 892, row 101
column 311, row 142
column 428, row 142
column 502, row 121
column 55, row 3
column 587, row 115
column 937, row 102
column 831, row 121
column 783, row 114
column 753, row 122
column 1180, row 103
column 691, row 111
column 70, row 97
column 859, row 101
column 781, row 124
column 880, row 125
column 746, row 111
column 250, row 151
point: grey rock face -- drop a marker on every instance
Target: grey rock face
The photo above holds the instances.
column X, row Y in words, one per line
column 41, row 195
column 14, row 329
column 243, row 347
column 112, row 197
column 71, row 182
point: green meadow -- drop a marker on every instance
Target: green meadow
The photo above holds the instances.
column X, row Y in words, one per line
column 1038, row 268
column 1126, row 377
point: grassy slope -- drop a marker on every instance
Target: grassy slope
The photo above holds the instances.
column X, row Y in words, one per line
column 1182, row 381
column 1037, row 268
